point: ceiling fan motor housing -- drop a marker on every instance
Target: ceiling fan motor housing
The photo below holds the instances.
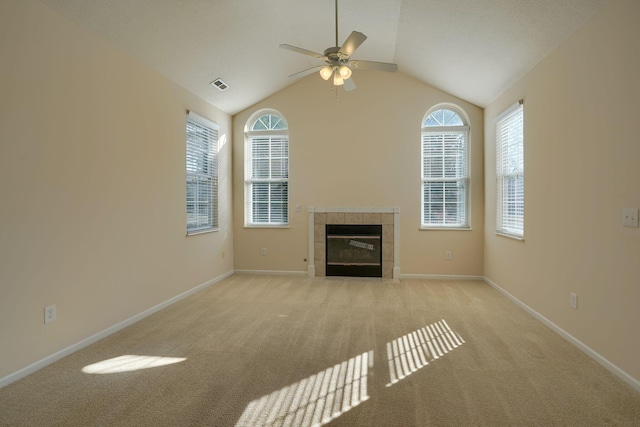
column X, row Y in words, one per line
column 336, row 58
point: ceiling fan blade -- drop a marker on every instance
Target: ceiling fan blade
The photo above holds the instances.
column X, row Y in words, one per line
column 352, row 42
column 307, row 71
column 372, row 65
column 349, row 85
column 303, row 51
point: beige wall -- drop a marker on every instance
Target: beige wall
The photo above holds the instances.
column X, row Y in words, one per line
column 359, row 150
column 92, row 187
column 582, row 153
column 92, row 183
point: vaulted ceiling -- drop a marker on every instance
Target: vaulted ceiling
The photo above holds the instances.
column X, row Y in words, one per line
column 473, row 49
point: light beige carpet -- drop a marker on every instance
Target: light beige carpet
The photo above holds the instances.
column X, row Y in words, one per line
column 268, row 350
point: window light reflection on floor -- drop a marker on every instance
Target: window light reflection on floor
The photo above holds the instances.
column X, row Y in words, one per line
column 415, row 350
column 315, row 400
column 128, row 363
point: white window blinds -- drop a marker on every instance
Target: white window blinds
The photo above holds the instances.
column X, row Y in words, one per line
column 202, row 174
column 445, row 170
column 510, row 171
column 267, row 172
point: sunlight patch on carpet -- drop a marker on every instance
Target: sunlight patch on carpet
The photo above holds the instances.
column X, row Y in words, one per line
column 415, row 350
column 315, row 400
column 128, row 363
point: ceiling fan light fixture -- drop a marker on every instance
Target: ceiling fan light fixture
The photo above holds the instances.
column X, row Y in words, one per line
column 325, row 72
column 345, row 72
column 338, row 80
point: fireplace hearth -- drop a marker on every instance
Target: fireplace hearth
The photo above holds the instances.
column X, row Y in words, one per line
column 354, row 250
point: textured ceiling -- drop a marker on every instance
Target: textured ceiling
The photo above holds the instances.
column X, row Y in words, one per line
column 473, row 49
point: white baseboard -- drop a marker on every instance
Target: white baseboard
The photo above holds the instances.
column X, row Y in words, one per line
column 573, row 340
column 440, row 277
column 100, row 335
column 94, row 338
column 273, row 272
column 401, row 276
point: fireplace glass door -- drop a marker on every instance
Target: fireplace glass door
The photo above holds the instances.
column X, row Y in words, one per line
column 354, row 250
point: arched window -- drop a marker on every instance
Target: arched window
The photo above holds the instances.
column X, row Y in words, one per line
column 266, row 170
column 445, row 168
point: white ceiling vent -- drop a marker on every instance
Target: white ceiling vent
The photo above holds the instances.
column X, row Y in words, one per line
column 219, row 84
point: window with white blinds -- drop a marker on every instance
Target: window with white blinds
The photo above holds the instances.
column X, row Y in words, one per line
column 202, row 174
column 510, row 171
column 267, row 171
column 445, row 170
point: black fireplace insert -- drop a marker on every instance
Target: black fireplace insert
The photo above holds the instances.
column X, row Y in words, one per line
column 354, row 250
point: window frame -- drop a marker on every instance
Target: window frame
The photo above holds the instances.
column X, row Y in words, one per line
column 445, row 132
column 280, row 136
column 511, row 225
column 206, row 170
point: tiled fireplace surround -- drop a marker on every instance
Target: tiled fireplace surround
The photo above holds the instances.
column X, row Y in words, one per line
column 387, row 217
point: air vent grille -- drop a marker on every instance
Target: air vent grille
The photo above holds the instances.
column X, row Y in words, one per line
column 219, row 84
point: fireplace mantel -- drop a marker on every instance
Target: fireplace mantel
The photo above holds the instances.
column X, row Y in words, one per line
column 387, row 217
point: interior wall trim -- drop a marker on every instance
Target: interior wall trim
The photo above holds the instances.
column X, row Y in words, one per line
column 441, row 277
column 573, row 340
column 13, row 377
column 4, row 381
column 272, row 272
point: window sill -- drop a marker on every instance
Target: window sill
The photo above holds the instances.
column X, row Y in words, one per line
column 267, row 226
column 205, row 231
column 445, row 229
column 510, row 236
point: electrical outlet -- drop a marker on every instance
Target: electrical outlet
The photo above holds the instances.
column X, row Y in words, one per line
column 574, row 300
column 447, row 255
column 298, row 208
column 49, row 313
column 263, row 251
column 630, row 217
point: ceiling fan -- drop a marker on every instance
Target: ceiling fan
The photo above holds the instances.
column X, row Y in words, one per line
column 339, row 64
